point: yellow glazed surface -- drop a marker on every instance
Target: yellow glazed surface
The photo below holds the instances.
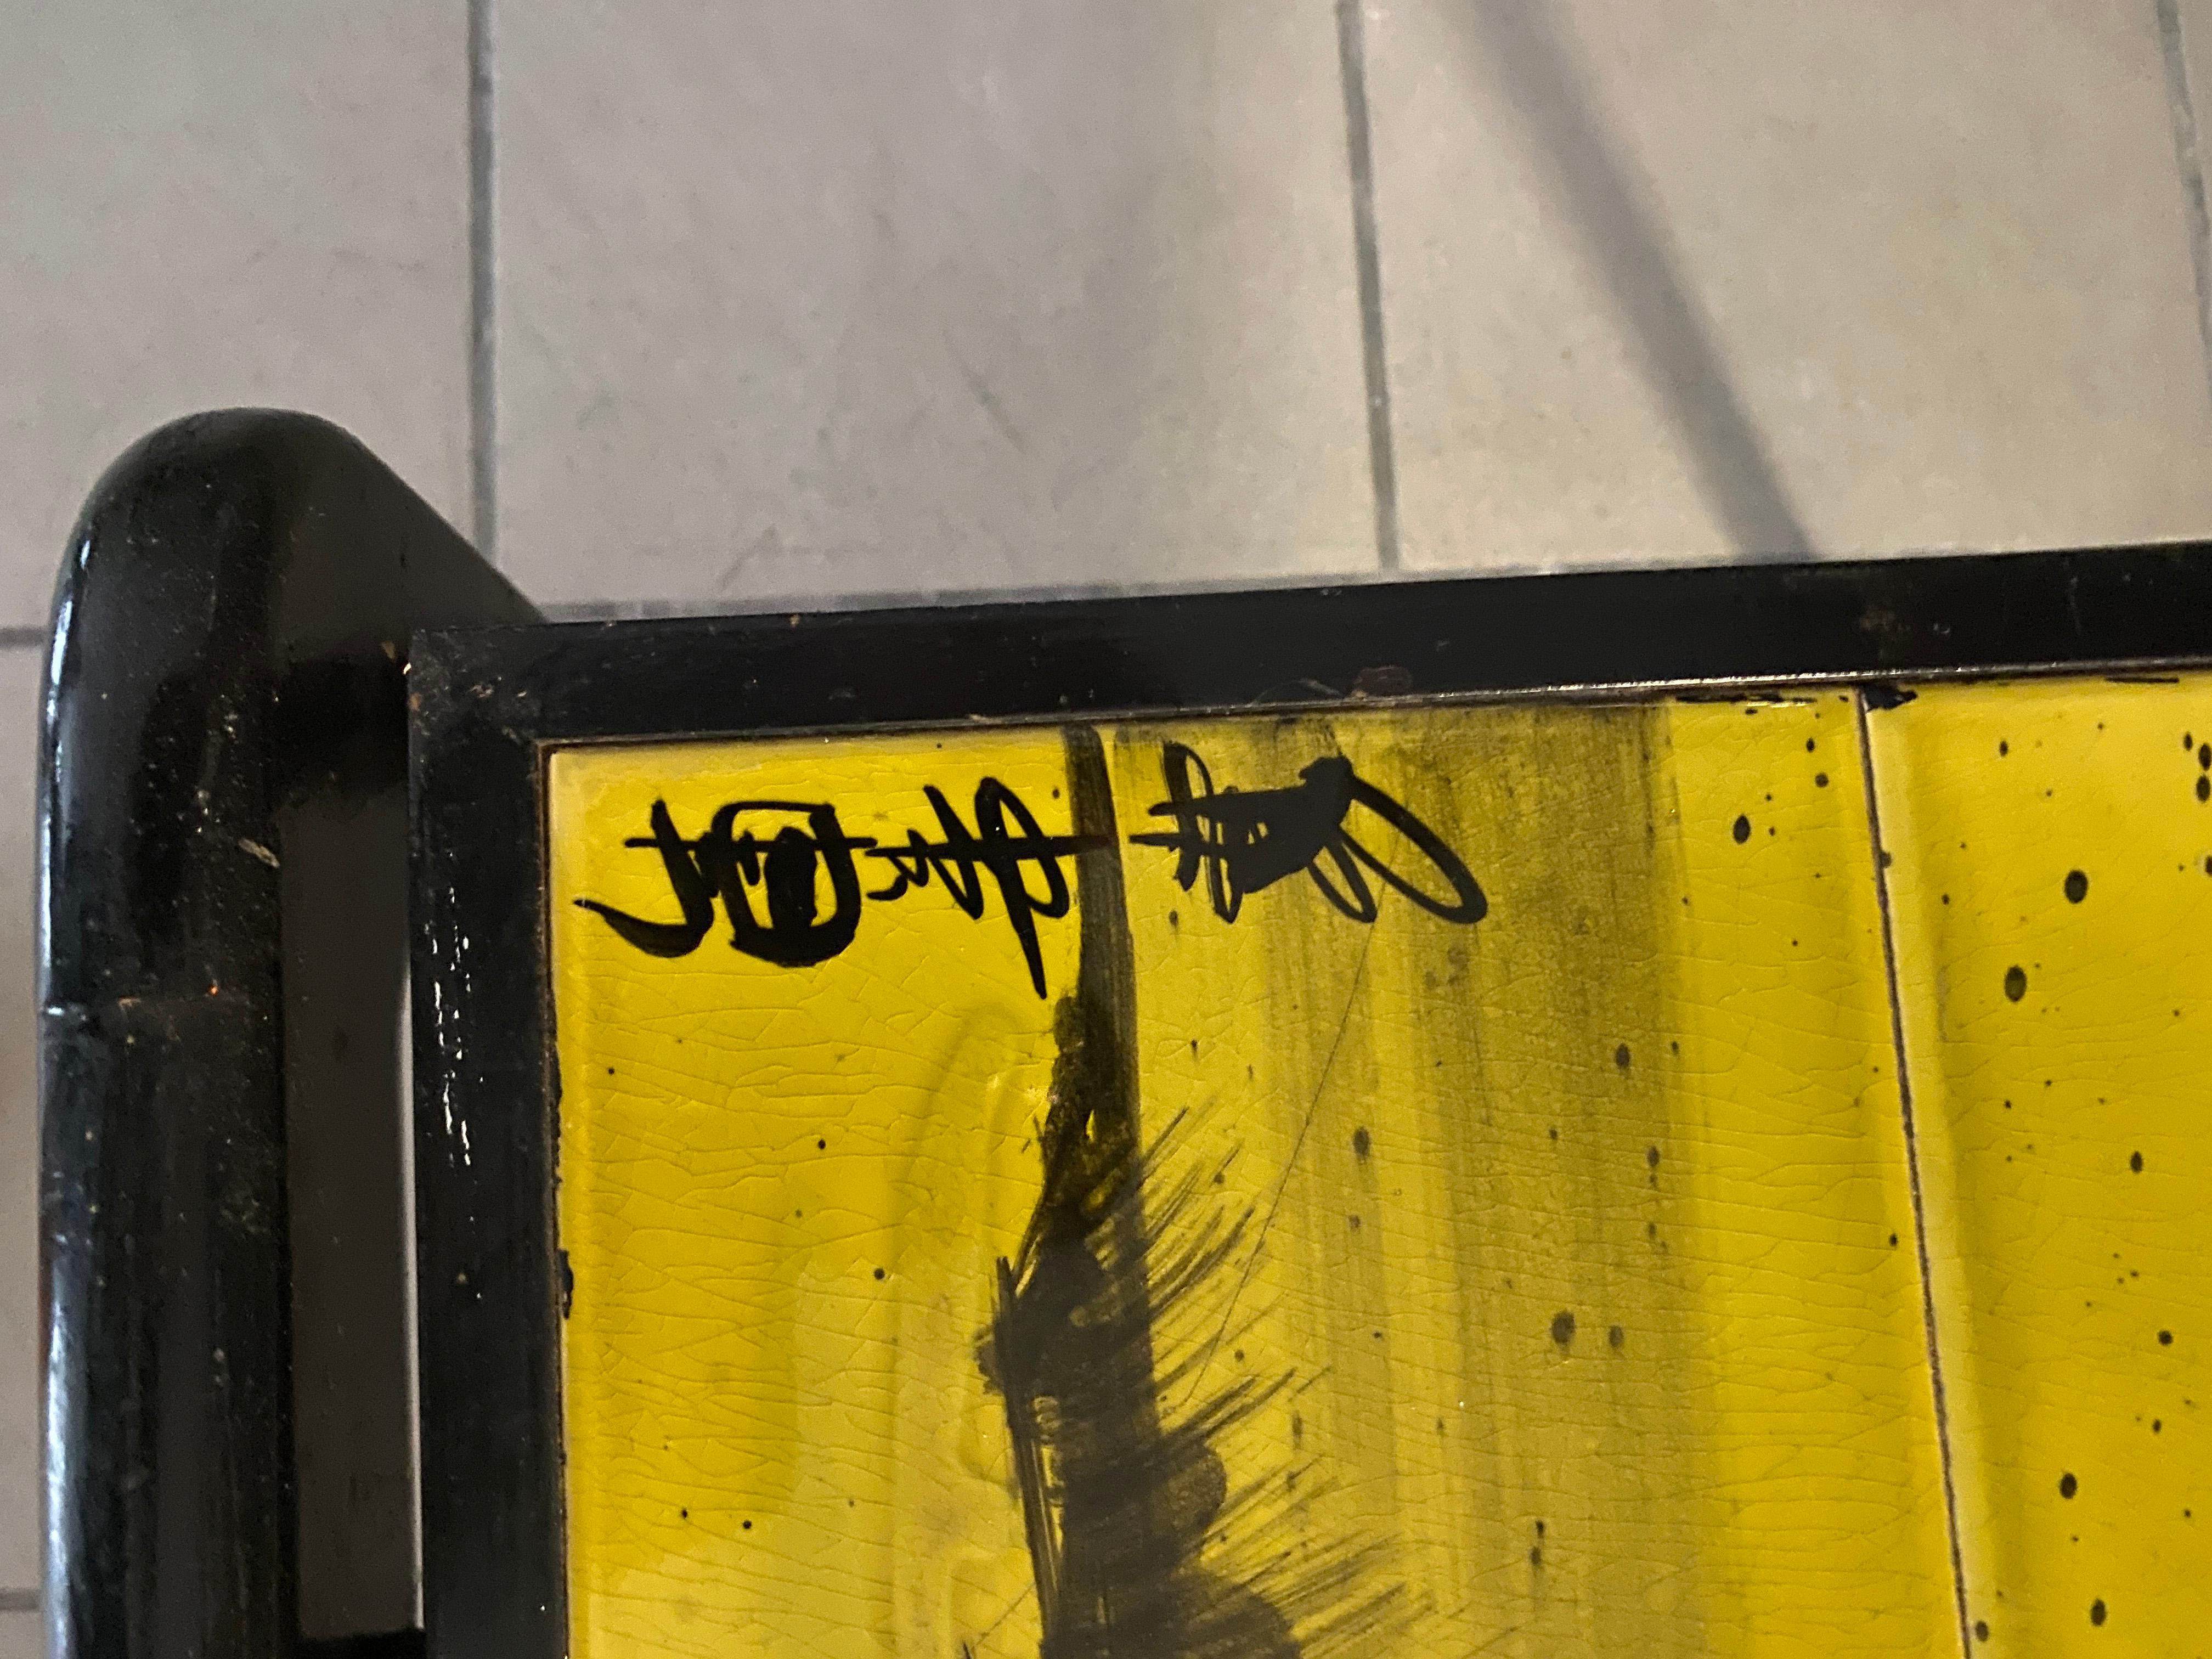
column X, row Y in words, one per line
column 1531, row 1274
column 2053, row 925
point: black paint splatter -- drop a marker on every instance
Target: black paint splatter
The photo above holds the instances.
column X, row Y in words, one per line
column 2016, row 982
column 1563, row 1328
column 2077, row 887
column 2068, row 1485
column 1742, row 830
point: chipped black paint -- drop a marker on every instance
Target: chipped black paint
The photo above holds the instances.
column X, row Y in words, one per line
column 223, row 824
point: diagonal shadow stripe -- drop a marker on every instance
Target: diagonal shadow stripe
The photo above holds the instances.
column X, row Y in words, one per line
column 2181, row 110
column 1595, row 188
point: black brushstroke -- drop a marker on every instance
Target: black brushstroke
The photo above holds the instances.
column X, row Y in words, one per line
column 960, row 858
column 1333, row 1599
column 1248, row 840
column 1118, row 1504
column 720, row 864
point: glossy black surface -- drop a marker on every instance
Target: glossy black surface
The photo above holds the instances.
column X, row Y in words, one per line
column 489, row 705
column 222, row 765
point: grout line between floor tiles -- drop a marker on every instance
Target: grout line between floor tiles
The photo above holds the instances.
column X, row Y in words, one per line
column 1913, row 1176
column 1352, row 59
column 22, row 639
column 2181, row 110
column 19, row 1600
column 483, row 334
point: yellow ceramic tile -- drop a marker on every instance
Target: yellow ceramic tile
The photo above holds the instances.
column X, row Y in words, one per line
column 782, row 1193
column 2052, row 894
column 1419, row 1272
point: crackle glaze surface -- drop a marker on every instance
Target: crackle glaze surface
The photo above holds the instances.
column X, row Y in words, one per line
column 1423, row 1179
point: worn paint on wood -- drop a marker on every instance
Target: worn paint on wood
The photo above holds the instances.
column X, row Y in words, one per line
column 1330, row 1263
column 2052, row 894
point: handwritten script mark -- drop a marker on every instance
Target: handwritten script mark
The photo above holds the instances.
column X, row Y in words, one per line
column 1247, row 841
column 1244, row 841
column 728, row 864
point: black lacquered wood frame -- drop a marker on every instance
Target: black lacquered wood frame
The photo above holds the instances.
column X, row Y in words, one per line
column 489, row 706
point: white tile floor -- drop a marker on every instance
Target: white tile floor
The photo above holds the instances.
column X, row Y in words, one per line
column 821, row 301
column 1871, row 278
column 879, row 296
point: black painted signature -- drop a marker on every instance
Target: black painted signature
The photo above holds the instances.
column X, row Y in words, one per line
column 766, row 861
column 1250, row 840
column 732, row 861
